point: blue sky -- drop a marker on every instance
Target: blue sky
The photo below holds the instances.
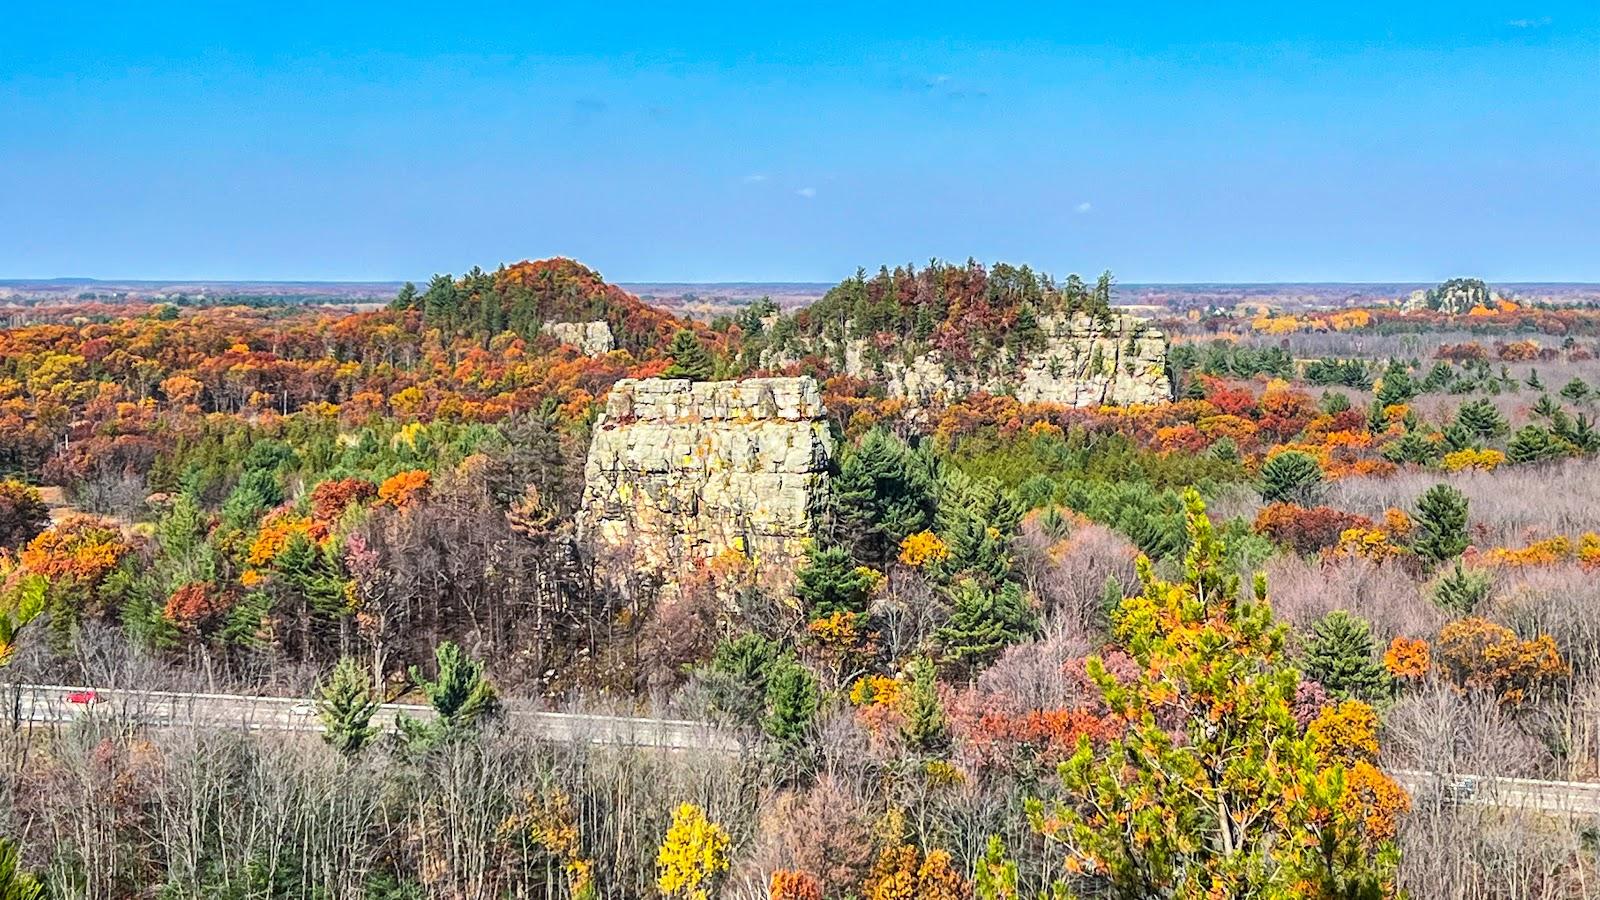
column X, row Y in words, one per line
column 1166, row 141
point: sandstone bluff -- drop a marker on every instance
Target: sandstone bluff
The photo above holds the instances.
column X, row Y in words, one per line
column 680, row 470
column 1084, row 361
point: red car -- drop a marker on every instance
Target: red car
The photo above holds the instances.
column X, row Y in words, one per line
column 82, row 698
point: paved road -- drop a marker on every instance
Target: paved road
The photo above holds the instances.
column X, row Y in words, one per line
column 51, row 703
column 1574, row 798
column 55, row 703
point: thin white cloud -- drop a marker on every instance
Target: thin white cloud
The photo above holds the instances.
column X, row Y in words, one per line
column 807, row 192
column 1083, row 207
column 754, row 178
column 1540, row 22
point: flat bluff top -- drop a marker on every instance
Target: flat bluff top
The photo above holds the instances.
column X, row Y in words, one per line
column 671, row 400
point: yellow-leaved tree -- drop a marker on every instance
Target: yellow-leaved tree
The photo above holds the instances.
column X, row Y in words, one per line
column 1214, row 789
column 693, row 855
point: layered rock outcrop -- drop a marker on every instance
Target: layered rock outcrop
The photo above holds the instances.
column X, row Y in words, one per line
column 593, row 338
column 680, row 470
column 1082, row 362
column 1455, row 297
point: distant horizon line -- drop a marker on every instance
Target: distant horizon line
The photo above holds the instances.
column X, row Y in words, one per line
column 68, row 280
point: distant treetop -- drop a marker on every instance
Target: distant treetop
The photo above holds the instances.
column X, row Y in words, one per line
column 521, row 297
column 965, row 311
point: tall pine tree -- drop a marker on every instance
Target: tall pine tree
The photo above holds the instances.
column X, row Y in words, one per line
column 832, row 583
column 461, row 697
column 983, row 621
column 792, row 701
column 884, row 492
column 690, row 359
column 925, row 729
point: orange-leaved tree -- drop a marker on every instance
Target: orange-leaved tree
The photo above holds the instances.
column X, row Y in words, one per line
column 1215, row 789
column 1481, row 654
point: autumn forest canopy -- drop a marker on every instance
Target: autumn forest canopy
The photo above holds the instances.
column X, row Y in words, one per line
column 1270, row 630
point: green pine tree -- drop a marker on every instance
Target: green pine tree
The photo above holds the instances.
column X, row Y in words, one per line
column 346, row 707
column 1533, row 444
column 830, row 582
column 461, row 697
column 1481, row 419
column 1111, row 596
column 406, row 298
column 1225, row 450
column 1577, row 390
column 690, row 359
column 1025, row 336
column 738, row 675
column 314, row 575
column 996, row 875
column 1459, row 437
column 1341, row 657
column 1546, row 407
column 983, row 621
column 977, row 550
column 1441, row 524
column 1291, row 477
column 1460, row 589
column 1412, row 447
column 884, row 492
column 1334, row 402
column 1577, row 431
column 1396, row 386
column 16, row 883
column 792, row 701
column 925, row 728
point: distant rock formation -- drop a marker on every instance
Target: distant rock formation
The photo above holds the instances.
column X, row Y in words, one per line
column 1455, row 297
column 592, row 338
column 680, row 470
column 1081, row 362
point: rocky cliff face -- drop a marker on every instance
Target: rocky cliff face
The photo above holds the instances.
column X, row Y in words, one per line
column 593, row 338
column 1082, row 363
column 680, row 470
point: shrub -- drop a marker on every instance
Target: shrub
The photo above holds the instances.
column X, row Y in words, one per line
column 1479, row 653
column 401, row 489
column 1306, row 530
column 793, row 885
column 23, row 514
column 1407, row 658
column 692, row 857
